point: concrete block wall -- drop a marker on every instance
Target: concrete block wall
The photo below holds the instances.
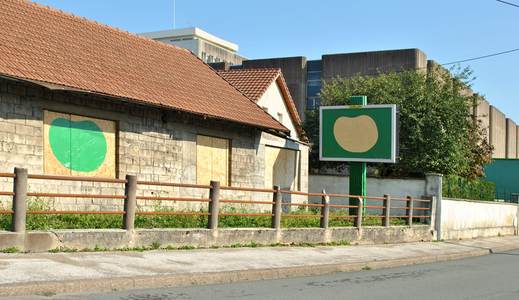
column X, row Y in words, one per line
column 153, row 144
column 517, row 141
column 511, row 139
column 497, row 130
column 501, row 132
column 372, row 63
column 482, row 113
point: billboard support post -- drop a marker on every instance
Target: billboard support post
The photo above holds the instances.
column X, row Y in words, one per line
column 358, row 169
column 358, row 133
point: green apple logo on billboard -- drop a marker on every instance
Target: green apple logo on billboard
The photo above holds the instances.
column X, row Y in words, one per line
column 358, row 134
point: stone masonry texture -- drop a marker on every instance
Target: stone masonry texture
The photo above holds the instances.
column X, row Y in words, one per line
column 154, row 144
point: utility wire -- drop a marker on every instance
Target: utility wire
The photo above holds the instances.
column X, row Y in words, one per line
column 480, row 57
column 509, row 3
column 489, row 55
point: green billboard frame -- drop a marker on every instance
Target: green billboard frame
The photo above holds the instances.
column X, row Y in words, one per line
column 385, row 111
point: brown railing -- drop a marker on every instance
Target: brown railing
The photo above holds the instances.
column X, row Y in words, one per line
column 360, row 211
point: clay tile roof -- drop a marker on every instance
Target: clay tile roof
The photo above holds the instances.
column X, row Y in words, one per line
column 43, row 44
column 253, row 83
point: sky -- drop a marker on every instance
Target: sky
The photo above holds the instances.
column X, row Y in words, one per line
column 446, row 30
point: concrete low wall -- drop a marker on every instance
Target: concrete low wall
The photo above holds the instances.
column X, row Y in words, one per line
column 466, row 219
column 375, row 186
column 418, row 188
column 42, row 241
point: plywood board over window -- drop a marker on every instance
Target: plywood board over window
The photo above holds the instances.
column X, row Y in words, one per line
column 79, row 146
column 212, row 160
column 281, row 168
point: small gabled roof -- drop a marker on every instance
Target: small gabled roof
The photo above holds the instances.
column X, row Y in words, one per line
column 40, row 44
column 253, row 83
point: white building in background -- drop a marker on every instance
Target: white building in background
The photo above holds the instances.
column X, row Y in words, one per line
column 286, row 161
column 209, row 48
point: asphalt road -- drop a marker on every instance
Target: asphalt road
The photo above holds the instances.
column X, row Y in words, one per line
column 493, row 276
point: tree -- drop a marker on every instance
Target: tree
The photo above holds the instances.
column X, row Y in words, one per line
column 437, row 131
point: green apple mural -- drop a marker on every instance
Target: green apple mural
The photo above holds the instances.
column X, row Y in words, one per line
column 79, row 146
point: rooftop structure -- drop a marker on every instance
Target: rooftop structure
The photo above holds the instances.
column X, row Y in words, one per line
column 209, row 48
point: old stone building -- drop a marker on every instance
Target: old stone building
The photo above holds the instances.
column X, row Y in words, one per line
column 267, row 88
column 83, row 99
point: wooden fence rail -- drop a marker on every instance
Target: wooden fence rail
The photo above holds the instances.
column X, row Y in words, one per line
column 20, row 194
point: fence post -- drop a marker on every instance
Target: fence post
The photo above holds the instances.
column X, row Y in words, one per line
column 277, row 198
column 358, row 218
column 387, row 210
column 409, row 212
column 19, row 200
column 130, row 202
column 214, row 205
column 325, row 210
column 435, row 211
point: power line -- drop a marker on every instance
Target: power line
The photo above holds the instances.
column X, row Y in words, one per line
column 480, row 57
column 489, row 55
column 509, row 3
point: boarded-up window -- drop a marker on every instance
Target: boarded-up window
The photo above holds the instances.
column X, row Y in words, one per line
column 281, row 168
column 212, row 160
column 78, row 146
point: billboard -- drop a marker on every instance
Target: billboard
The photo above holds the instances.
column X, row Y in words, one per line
column 358, row 133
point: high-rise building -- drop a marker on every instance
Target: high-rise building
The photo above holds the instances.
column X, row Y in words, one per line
column 305, row 77
column 209, row 48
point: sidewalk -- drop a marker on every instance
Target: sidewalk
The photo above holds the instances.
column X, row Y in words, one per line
column 50, row 273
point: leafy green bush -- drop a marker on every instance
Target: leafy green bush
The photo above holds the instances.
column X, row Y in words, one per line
column 462, row 188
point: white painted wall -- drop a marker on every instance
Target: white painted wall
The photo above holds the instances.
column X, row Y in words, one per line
column 466, row 219
column 273, row 100
column 375, row 186
column 302, row 160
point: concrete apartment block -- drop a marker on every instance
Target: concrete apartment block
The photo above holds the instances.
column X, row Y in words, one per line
column 372, row 63
column 497, row 132
column 517, row 141
column 482, row 113
column 294, row 71
column 511, row 139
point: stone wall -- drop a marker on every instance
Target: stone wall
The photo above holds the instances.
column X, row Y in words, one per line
column 154, row 144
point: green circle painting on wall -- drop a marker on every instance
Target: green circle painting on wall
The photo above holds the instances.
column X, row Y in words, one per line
column 79, row 146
